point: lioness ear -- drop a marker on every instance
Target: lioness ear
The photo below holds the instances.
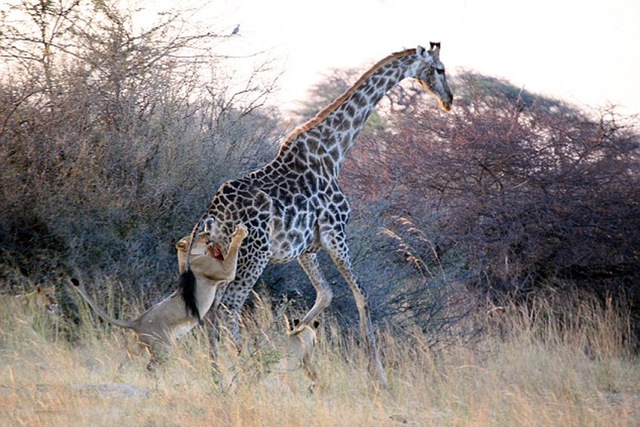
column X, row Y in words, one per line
column 316, row 324
column 39, row 289
column 296, row 322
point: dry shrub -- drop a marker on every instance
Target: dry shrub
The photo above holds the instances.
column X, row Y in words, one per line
column 113, row 141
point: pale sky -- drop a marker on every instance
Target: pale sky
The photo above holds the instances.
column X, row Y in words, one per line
column 584, row 52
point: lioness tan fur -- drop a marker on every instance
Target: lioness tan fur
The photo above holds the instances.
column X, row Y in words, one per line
column 170, row 319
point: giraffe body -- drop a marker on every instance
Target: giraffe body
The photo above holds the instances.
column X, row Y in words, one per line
column 293, row 206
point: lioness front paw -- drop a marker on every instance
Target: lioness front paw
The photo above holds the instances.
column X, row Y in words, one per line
column 240, row 232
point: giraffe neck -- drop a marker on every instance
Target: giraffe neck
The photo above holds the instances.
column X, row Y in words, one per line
column 329, row 136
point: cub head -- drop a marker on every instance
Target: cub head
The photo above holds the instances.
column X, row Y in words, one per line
column 46, row 295
column 43, row 298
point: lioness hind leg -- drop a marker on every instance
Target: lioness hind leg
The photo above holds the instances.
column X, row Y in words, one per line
column 159, row 353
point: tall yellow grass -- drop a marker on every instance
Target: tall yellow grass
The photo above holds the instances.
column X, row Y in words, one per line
column 542, row 369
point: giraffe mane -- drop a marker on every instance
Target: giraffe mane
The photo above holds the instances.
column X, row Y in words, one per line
column 329, row 108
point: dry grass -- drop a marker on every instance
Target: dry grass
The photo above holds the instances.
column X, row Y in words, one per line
column 536, row 374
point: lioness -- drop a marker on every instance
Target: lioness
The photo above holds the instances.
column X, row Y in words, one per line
column 171, row 318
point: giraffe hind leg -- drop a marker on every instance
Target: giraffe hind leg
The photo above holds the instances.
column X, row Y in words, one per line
column 324, row 294
column 336, row 245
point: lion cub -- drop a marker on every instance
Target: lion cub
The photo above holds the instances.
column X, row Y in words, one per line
column 170, row 318
column 39, row 310
column 301, row 343
column 41, row 299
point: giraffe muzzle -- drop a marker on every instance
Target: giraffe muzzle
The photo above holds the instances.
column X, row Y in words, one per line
column 445, row 105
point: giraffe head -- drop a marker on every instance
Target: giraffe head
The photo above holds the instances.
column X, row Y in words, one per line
column 430, row 73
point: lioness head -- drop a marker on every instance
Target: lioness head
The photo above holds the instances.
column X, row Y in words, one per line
column 200, row 247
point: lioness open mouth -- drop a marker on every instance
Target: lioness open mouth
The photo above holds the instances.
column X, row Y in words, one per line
column 215, row 252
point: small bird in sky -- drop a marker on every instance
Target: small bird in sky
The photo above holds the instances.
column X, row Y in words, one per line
column 236, row 30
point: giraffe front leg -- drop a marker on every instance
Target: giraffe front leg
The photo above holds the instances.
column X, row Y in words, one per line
column 235, row 295
column 229, row 321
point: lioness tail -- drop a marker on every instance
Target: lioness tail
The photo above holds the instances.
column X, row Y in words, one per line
column 122, row 323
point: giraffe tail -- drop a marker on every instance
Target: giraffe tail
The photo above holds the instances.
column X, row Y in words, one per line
column 187, row 284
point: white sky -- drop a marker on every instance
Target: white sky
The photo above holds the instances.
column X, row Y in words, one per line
column 583, row 51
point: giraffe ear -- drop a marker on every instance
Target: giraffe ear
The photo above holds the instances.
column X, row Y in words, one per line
column 421, row 51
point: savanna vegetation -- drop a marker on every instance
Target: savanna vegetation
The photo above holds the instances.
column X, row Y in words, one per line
column 499, row 242
column 544, row 371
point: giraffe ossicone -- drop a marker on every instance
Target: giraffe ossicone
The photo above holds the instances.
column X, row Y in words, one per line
column 293, row 206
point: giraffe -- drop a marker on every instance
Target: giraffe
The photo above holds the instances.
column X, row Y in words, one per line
column 293, row 206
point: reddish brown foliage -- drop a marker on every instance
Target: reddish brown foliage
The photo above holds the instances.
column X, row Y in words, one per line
column 529, row 189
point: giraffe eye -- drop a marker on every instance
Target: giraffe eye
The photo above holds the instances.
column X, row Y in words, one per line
column 440, row 71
